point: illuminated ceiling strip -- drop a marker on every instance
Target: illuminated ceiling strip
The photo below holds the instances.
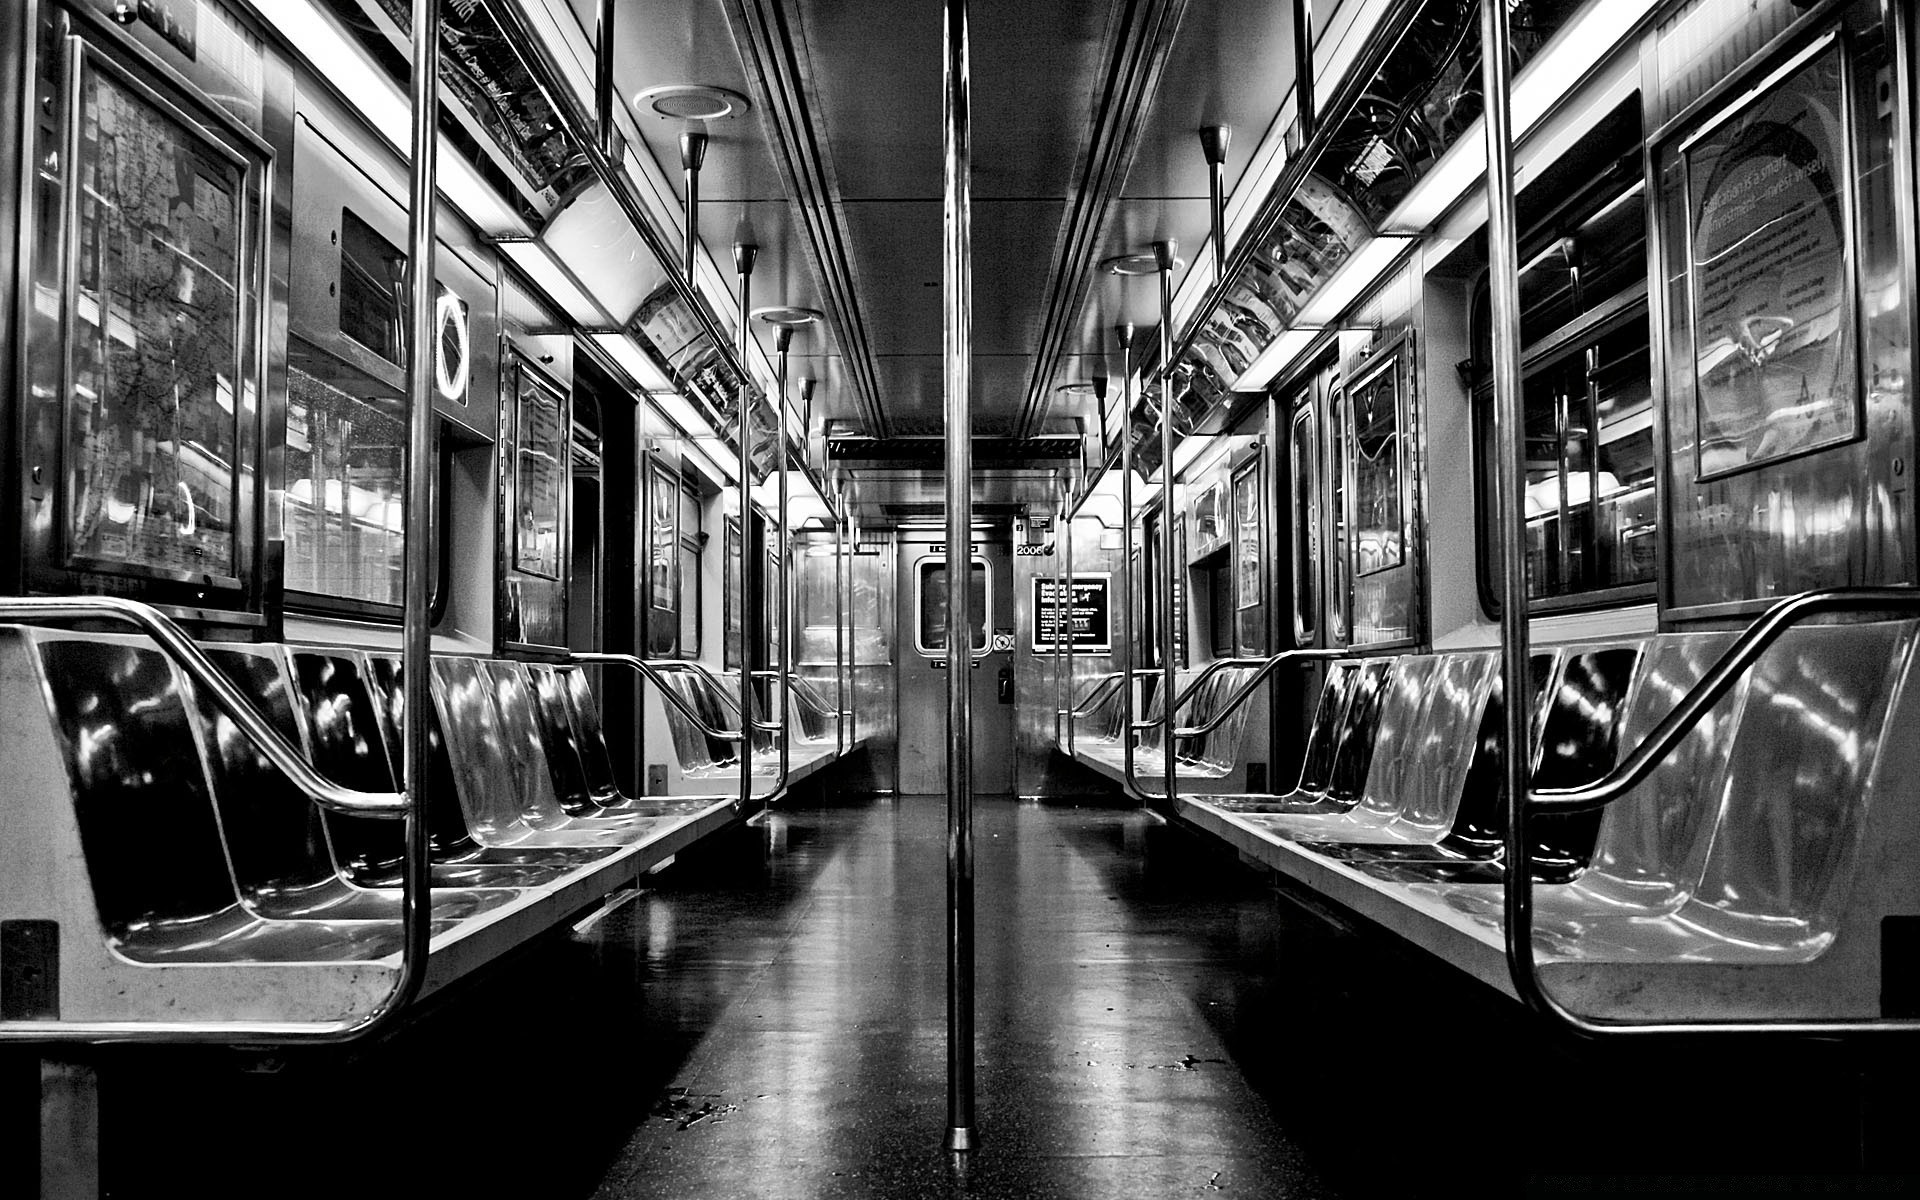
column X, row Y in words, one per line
column 366, row 89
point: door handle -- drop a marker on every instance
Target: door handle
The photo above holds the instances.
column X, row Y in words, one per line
column 1006, row 685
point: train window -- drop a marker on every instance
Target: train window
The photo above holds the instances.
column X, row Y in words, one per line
column 346, row 459
column 1379, row 508
column 693, row 540
column 1249, row 578
column 540, row 431
column 663, row 560
column 1588, row 408
column 932, row 604
column 731, row 638
column 372, row 275
column 1305, row 464
column 155, row 344
column 1337, row 512
column 1216, row 581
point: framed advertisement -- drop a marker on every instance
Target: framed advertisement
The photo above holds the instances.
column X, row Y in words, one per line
column 1771, row 299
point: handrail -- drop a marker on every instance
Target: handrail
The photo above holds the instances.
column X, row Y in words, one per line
column 1736, row 660
column 1245, row 690
column 649, row 671
column 705, row 672
column 191, row 659
column 594, row 658
column 803, row 688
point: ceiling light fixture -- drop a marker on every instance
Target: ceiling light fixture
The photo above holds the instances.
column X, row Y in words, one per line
column 1136, row 264
column 691, row 102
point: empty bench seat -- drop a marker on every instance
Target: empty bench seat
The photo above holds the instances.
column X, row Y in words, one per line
column 143, row 828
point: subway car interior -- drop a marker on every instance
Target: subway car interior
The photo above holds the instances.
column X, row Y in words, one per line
column 1433, row 715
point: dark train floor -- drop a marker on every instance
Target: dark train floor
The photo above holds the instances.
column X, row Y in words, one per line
column 767, row 1020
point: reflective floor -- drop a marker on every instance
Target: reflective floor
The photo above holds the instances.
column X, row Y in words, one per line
column 768, row 1020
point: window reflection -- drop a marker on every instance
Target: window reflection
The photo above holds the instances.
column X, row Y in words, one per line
column 344, row 519
column 933, row 604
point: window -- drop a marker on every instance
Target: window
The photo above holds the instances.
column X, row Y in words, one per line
column 732, row 637
column 663, row 560
column 1379, row 501
column 541, row 430
column 344, row 516
column 1587, row 404
column 693, row 540
column 1305, row 464
column 1337, row 601
column 1249, row 580
column 932, row 604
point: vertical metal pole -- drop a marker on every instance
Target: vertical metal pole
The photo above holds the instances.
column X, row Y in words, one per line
column 603, row 89
column 1066, row 532
column 750, row 584
column 1061, row 610
column 1123, row 335
column 784, row 667
column 1163, row 257
column 1504, row 289
column 958, row 347
column 693, row 152
column 1214, row 140
column 417, row 569
column 839, row 625
column 1306, row 109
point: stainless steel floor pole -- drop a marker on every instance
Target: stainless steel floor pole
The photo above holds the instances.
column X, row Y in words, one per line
column 1066, row 533
column 839, row 626
column 744, row 254
column 1123, row 338
column 416, row 680
column 1163, row 258
column 1504, row 290
column 783, row 609
column 958, row 347
column 1061, row 610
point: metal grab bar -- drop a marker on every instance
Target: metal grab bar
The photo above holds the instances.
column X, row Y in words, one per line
column 187, row 655
column 1517, row 909
column 652, row 673
column 1245, row 690
column 1719, row 679
column 719, row 689
column 647, row 670
column 804, row 689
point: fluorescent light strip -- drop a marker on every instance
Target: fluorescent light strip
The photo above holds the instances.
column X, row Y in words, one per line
column 681, row 413
column 368, row 91
column 1325, row 307
column 1277, row 357
column 632, row 359
column 719, row 457
column 556, row 281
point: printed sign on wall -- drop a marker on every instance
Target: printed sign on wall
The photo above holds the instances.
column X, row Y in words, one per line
column 1089, row 630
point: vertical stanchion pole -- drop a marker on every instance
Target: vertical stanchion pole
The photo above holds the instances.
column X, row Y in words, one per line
column 743, row 255
column 1060, row 609
column 603, row 89
column 1123, row 338
column 1306, row 108
column 784, row 667
column 1214, row 140
column 1163, row 259
column 958, row 347
column 1066, row 533
column 1504, row 290
column 839, row 625
column 416, row 667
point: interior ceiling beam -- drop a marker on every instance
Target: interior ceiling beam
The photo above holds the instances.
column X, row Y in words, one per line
column 777, row 66
column 1137, row 53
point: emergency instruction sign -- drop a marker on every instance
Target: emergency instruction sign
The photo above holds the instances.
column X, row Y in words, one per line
column 1089, row 630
